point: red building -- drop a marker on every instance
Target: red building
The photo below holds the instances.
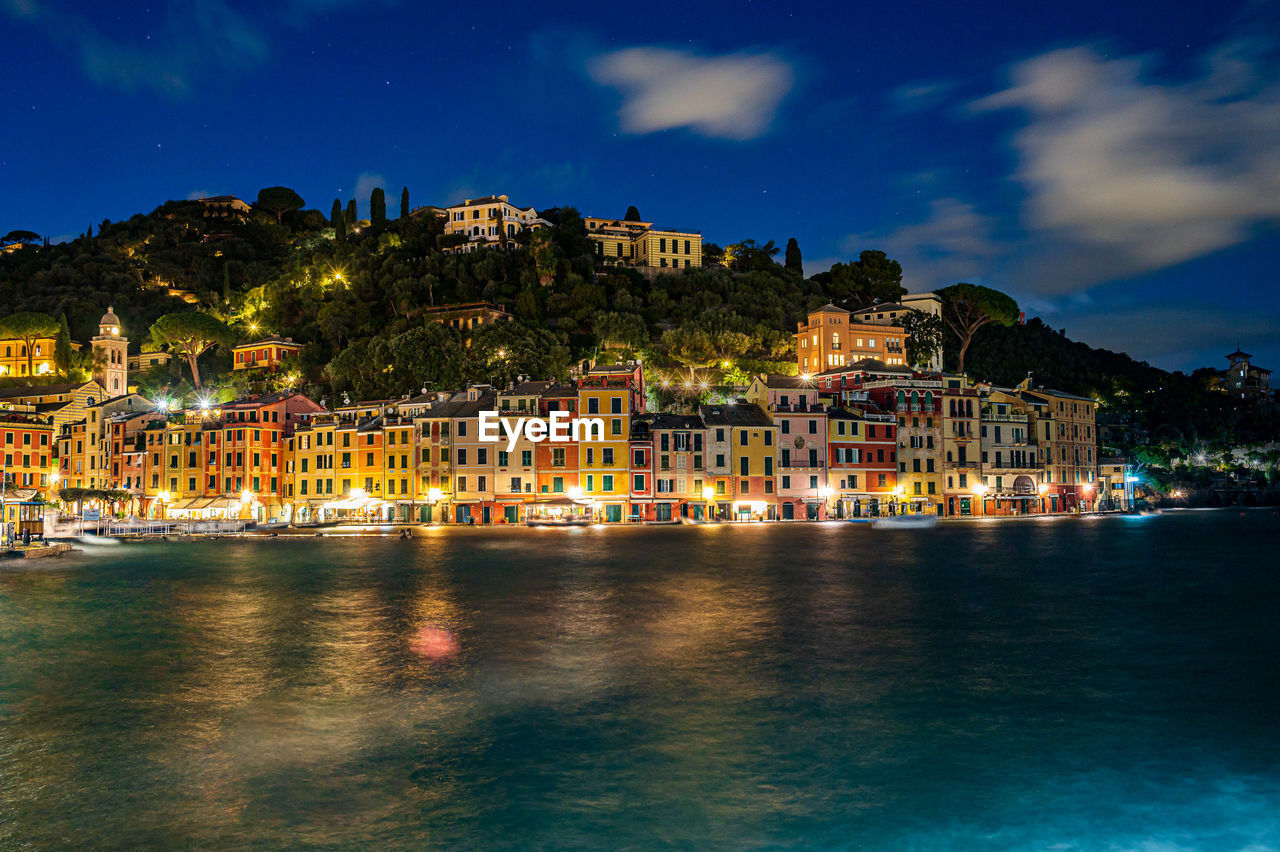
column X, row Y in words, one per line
column 269, row 354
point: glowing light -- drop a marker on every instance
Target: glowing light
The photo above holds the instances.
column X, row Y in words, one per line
column 253, row 326
column 204, row 403
column 54, row 476
column 576, row 492
column 688, row 384
column 502, row 353
column 825, row 492
column 358, row 493
column 434, row 495
column 724, row 364
column 708, row 494
column 246, row 496
column 163, row 404
column 806, row 376
column 1043, row 489
column 666, row 383
column 704, row 385
column 164, row 496
column 979, row 489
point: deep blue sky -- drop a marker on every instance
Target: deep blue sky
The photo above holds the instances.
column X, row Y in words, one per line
column 1114, row 166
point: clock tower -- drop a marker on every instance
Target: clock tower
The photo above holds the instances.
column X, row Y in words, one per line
column 111, row 351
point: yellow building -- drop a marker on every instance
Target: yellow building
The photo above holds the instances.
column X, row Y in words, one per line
column 489, row 221
column 608, row 393
column 741, row 445
column 433, row 421
column 622, row 243
column 400, row 475
column 65, row 403
column 310, row 467
column 13, row 357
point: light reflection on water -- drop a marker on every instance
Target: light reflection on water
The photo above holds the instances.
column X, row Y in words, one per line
column 1105, row 684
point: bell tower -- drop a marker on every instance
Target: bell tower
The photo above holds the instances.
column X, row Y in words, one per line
column 111, row 352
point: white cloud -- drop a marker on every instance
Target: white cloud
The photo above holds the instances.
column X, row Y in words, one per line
column 365, row 185
column 189, row 42
column 1125, row 175
column 953, row 242
column 924, row 95
column 734, row 96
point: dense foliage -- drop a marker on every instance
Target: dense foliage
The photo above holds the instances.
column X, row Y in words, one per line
column 359, row 296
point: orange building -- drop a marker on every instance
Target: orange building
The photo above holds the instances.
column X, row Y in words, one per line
column 831, row 338
column 269, row 353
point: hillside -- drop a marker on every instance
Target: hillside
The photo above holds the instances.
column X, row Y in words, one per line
column 357, row 297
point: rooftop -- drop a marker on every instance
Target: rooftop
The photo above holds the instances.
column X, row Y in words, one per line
column 739, row 414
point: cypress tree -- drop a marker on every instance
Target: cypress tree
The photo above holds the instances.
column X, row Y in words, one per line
column 62, row 346
column 633, row 214
column 793, row 261
column 378, row 207
column 338, row 221
column 404, row 203
column 352, row 215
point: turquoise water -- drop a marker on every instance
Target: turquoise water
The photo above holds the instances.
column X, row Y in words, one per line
column 1072, row 684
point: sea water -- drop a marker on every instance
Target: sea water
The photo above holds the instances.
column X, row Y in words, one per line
column 1108, row 683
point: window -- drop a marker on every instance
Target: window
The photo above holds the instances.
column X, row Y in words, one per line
column 744, row 467
column 637, row 483
column 606, row 456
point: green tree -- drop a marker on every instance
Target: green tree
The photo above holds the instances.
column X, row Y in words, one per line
column 793, row 262
column 19, row 236
column 873, row 277
column 63, row 352
column 378, row 207
column 968, row 307
column 633, row 215
column 190, row 335
column 747, row 256
column 28, row 327
column 279, row 200
column 353, row 215
column 338, row 221
column 545, row 255
column 924, row 337
column 404, row 203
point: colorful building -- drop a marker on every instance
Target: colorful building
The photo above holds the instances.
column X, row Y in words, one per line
column 801, row 459
column 489, row 221
column 741, row 442
column 270, row 353
column 619, row 242
column 831, row 339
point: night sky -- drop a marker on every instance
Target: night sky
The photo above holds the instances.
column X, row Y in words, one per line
column 1114, row 166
